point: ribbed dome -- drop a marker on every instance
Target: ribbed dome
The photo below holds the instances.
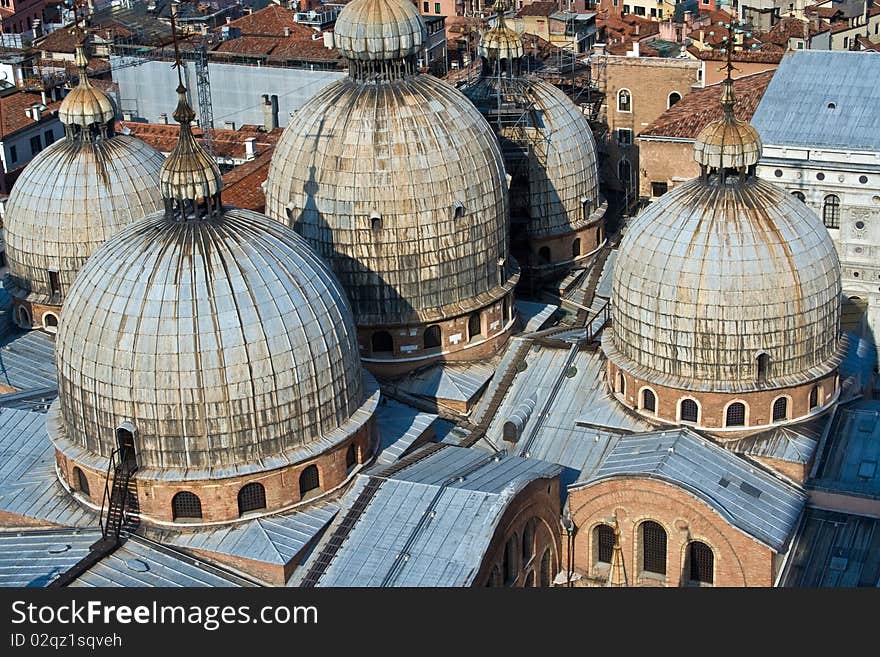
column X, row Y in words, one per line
column 226, row 342
column 70, row 199
column 189, row 172
column 379, row 30
column 401, row 187
column 501, row 42
column 85, row 105
column 728, row 142
column 716, row 272
column 563, row 170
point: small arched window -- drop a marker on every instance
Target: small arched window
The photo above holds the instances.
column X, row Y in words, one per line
column 831, row 211
column 458, row 210
column 80, row 481
column 780, row 409
column 186, row 505
column 701, row 563
column 690, row 412
column 309, row 481
column 528, row 542
column 351, row 457
column 674, row 97
column 475, row 329
column 799, row 196
column 433, row 337
column 50, row 322
column 621, row 383
column 814, row 397
column 603, row 540
column 375, row 222
column 624, row 101
column 653, row 539
column 382, row 343
column 587, row 208
column 762, row 363
column 649, row 401
column 576, row 247
column 736, row 415
column 510, row 561
column 505, row 309
column 24, row 317
column 544, row 254
column 546, row 578
column 251, row 497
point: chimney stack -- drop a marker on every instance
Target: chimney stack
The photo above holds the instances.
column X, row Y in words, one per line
column 250, row 148
column 163, row 118
column 287, row 31
column 270, row 112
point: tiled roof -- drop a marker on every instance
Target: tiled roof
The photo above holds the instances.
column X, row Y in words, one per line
column 692, row 113
column 271, row 21
column 12, row 111
column 767, row 54
column 248, row 45
column 66, row 39
column 304, row 50
column 242, row 187
column 539, row 9
column 227, row 143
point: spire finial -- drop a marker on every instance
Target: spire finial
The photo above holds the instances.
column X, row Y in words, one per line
column 81, row 60
column 183, row 114
column 735, row 34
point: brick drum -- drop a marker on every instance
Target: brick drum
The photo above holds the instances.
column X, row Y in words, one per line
column 36, row 313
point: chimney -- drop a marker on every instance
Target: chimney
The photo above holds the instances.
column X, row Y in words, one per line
column 636, row 29
column 34, row 112
column 329, row 41
column 43, row 98
column 635, row 49
column 163, row 118
column 229, row 125
column 250, row 148
column 228, row 20
column 287, row 31
column 270, row 112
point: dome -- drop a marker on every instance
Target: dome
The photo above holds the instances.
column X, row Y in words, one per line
column 728, row 142
column 69, row 200
column 716, row 273
column 501, row 42
column 226, row 342
column 401, row 187
column 379, row 30
column 85, row 105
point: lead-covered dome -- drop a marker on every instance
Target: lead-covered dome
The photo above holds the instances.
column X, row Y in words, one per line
column 226, row 342
column 717, row 272
column 74, row 195
column 85, row 105
column 379, row 30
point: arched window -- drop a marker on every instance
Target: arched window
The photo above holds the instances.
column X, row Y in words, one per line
column 674, row 97
column 510, row 562
column 603, row 541
column 624, row 101
column 621, row 383
column 505, row 309
column 80, row 481
column 433, row 337
column 653, row 539
column 736, row 415
column 546, row 568
column 690, row 412
column 763, row 366
column 528, row 541
column 382, row 342
column 576, row 247
column 24, row 317
column 624, row 173
column 814, row 397
column 701, row 563
column 831, row 211
column 309, row 480
column 544, row 254
column 530, row 580
column 475, row 328
column 50, row 322
column 599, row 235
column 375, row 222
column 251, row 497
column 587, row 207
column 351, row 458
column 780, row 409
column 458, row 210
column 800, row 196
column 649, row 401
column 188, row 505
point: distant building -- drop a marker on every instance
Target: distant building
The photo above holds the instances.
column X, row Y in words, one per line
column 821, row 143
column 27, row 126
column 21, row 16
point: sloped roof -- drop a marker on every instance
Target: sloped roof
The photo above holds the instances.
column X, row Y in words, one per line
column 697, row 109
column 754, row 501
column 12, row 111
column 796, row 109
column 270, row 21
column 227, row 143
column 542, row 8
column 242, row 187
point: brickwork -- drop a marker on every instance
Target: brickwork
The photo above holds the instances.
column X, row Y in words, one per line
column 536, row 507
column 561, row 252
column 738, row 559
column 456, row 340
column 219, row 497
column 28, row 314
column 713, row 405
column 665, row 162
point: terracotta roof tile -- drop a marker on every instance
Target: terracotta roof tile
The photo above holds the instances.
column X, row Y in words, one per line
column 227, row 143
column 12, row 111
column 271, row 21
column 767, row 54
column 692, row 113
column 242, row 187
column 542, row 8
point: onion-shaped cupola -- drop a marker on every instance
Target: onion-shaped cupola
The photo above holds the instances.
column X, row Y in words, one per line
column 221, row 346
column 397, row 181
column 726, row 297
column 501, row 48
column 72, row 197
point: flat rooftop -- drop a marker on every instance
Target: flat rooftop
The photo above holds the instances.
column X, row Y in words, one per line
column 849, row 461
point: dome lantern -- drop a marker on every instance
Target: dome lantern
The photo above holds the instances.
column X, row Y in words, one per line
column 728, row 143
column 86, row 112
column 501, row 48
